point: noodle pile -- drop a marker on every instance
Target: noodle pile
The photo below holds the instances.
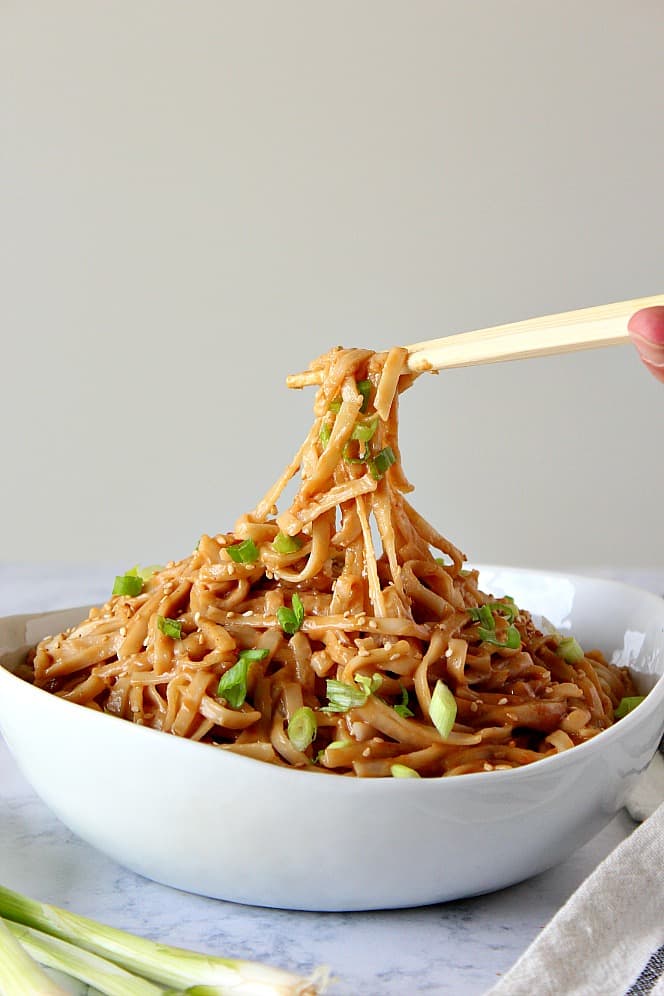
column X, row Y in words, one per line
column 330, row 637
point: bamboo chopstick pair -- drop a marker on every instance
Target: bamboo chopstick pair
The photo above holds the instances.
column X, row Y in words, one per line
column 588, row 328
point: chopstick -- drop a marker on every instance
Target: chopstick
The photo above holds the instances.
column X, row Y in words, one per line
column 587, row 328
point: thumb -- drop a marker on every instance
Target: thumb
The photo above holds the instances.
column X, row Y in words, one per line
column 646, row 329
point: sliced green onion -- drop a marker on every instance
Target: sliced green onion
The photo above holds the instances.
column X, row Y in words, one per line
column 286, row 544
column 443, row 561
column 512, row 642
column 170, row 627
column 127, row 584
column 254, row 654
column 403, row 771
column 365, row 430
column 172, row 967
column 484, row 613
column 626, row 705
column 381, row 463
column 245, row 552
column 443, row 709
column 324, row 434
column 334, row 745
column 291, row 619
column 302, row 728
column 98, row 972
column 361, row 458
column 335, row 405
column 401, row 708
column 369, row 685
column 343, row 696
column 146, row 572
column 364, row 388
column 570, row 650
column 233, row 683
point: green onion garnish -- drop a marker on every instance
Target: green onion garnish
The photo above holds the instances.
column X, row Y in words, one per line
column 302, row 728
column 401, row 708
column 570, row 650
column 324, row 434
column 233, row 684
column 443, row 709
column 170, row 627
column 127, row 584
column 403, row 771
column 286, row 544
column 364, row 388
column 365, row 430
column 335, row 405
column 513, row 641
column 243, row 553
column 369, row 685
column 381, row 463
column 343, row 696
column 505, row 607
column 291, row 619
column 626, row 705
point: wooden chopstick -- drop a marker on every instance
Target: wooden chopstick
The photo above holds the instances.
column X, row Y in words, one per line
column 588, row 328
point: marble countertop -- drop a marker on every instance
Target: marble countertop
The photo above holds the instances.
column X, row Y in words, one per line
column 460, row 948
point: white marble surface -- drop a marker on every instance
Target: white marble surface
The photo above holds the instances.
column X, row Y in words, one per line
column 458, row 948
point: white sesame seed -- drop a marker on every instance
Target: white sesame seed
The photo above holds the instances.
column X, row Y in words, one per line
column 366, row 752
column 474, row 707
column 487, row 766
column 249, row 612
column 394, row 657
column 502, row 701
column 197, row 617
column 122, row 631
column 372, row 624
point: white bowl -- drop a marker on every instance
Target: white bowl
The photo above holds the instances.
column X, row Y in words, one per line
column 215, row 823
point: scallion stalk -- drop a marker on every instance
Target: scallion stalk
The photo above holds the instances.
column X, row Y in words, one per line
column 90, row 968
column 19, row 974
column 170, row 966
column 570, row 650
column 443, row 709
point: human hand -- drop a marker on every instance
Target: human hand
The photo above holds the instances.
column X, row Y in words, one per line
column 646, row 329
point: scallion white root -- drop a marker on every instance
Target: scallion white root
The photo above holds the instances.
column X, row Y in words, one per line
column 173, row 967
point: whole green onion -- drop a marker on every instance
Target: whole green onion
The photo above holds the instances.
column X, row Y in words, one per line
column 172, row 967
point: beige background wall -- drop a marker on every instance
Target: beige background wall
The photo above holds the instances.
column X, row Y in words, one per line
column 199, row 197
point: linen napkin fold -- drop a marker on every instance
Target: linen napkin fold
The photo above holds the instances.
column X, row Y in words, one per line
column 608, row 938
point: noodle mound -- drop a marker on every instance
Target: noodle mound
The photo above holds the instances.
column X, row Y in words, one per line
column 296, row 641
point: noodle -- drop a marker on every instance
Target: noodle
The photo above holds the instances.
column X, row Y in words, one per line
column 297, row 640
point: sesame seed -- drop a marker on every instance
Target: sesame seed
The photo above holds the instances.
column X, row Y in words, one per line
column 197, row 617
column 474, row 707
column 123, row 631
column 366, row 752
column 249, row 612
column 394, row 657
column 502, row 701
column 487, row 766
column 372, row 624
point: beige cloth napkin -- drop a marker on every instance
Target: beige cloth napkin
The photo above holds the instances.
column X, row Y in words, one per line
column 608, row 938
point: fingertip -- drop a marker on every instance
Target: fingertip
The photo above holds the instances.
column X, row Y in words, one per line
column 648, row 325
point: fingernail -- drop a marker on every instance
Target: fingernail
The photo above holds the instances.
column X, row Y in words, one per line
column 646, row 329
